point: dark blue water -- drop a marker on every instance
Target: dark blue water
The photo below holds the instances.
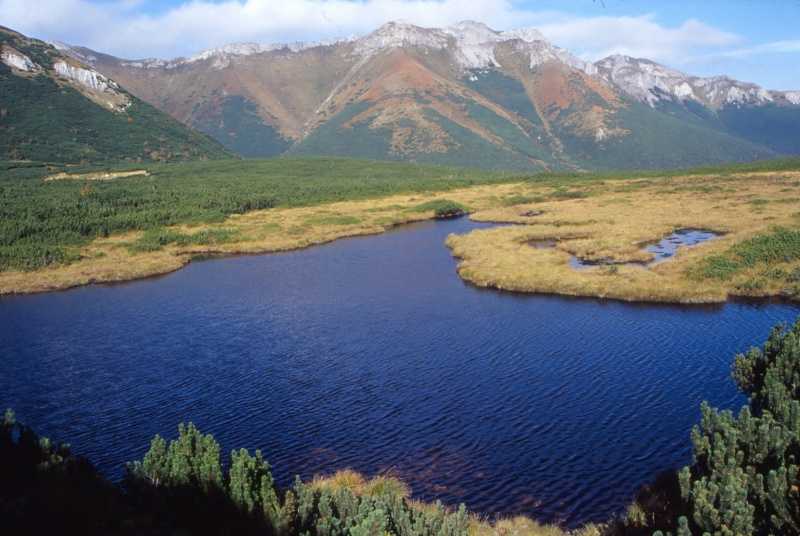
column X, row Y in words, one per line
column 371, row 353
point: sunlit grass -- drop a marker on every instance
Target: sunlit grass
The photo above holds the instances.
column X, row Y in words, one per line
column 754, row 255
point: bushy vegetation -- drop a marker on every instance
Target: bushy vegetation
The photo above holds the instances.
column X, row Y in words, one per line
column 779, row 246
column 237, row 125
column 155, row 239
column 745, row 477
column 771, row 256
column 442, row 208
column 658, row 140
column 770, row 125
column 44, row 223
column 182, row 486
column 46, row 122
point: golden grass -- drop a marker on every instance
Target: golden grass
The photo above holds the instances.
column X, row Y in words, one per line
column 262, row 231
column 591, row 220
column 388, row 485
column 379, row 486
column 615, row 220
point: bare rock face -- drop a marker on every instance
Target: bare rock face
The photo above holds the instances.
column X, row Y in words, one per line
column 17, row 60
column 97, row 87
column 651, row 83
column 85, row 77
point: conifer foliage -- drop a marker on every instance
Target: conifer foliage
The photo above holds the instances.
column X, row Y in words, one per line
column 744, row 479
column 180, row 477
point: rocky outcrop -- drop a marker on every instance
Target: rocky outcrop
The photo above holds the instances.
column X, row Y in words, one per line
column 17, row 60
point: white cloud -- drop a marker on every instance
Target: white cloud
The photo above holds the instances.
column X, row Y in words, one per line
column 775, row 47
column 117, row 28
column 120, row 29
column 598, row 37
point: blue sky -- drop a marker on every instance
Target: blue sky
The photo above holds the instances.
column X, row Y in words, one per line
column 753, row 40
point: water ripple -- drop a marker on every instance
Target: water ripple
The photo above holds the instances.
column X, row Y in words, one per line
column 370, row 353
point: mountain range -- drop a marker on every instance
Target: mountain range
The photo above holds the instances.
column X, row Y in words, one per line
column 466, row 95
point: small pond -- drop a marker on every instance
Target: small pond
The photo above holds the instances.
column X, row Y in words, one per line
column 662, row 251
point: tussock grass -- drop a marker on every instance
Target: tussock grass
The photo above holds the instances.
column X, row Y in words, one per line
column 333, row 219
column 378, row 486
column 740, row 262
column 387, row 485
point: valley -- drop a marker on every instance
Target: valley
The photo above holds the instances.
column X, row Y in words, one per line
column 431, row 279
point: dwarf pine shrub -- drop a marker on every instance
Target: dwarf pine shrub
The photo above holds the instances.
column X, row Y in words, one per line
column 745, row 478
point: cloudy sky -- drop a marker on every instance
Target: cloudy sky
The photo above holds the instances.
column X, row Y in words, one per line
column 753, row 40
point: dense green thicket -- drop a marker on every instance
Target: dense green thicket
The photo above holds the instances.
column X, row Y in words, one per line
column 779, row 246
column 442, row 208
column 41, row 120
column 43, row 223
column 770, row 125
column 658, row 140
column 237, row 125
column 181, row 486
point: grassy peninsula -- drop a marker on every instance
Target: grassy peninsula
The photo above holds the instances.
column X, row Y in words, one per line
column 608, row 223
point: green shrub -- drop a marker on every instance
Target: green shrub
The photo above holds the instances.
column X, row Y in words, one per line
column 155, row 239
column 780, row 245
column 442, row 208
column 745, row 478
column 42, row 222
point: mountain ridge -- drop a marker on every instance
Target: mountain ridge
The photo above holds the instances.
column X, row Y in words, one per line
column 55, row 108
column 440, row 95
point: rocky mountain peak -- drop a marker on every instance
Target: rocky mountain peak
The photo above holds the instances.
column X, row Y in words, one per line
column 651, row 83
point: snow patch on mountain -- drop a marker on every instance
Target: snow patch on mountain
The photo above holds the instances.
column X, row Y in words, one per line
column 222, row 56
column 398, row 35
column 475, row 44
column 542, row 52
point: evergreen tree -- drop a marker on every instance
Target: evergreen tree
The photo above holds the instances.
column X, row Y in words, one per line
column 745, row 478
